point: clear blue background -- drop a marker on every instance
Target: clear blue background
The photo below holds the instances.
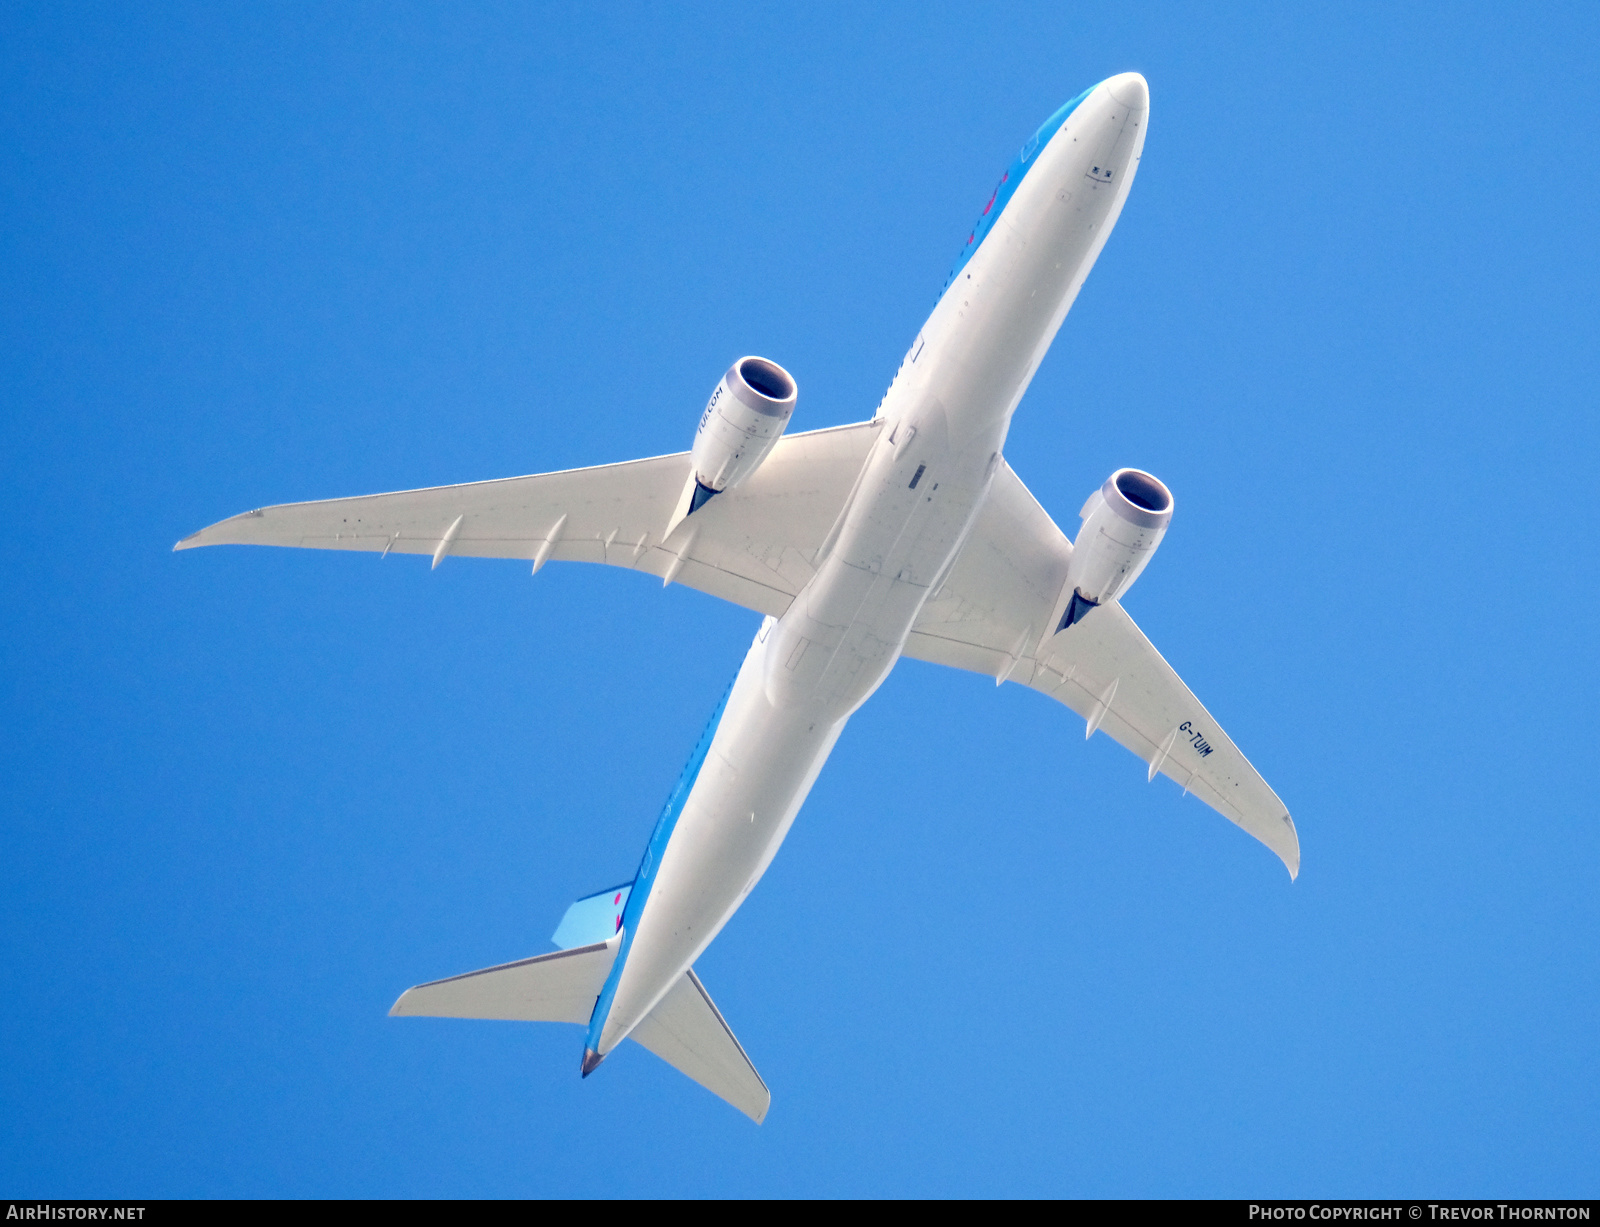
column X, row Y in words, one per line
column 258, row 254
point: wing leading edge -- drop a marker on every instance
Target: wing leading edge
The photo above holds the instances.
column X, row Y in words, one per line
column 994, row 615
column 754, row 545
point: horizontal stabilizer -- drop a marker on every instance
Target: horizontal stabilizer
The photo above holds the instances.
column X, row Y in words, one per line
column 560, row 987
column 685, row 1029
column 594, row 918
column 688, row 1032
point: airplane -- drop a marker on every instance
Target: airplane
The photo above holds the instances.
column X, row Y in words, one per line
column 907, row 534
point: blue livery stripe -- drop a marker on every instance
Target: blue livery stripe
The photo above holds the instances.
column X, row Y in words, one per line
column 645, row 878
column 1006, row 188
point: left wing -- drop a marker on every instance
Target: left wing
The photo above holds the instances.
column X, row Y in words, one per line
column 754, row 545
column 995, row 613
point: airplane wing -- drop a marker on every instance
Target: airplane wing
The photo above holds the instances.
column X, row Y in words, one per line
column 994, row 614
column 754, row 545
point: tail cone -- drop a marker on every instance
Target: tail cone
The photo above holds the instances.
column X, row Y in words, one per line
column 591, row 1061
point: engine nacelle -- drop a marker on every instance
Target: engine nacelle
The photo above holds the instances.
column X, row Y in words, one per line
column 1123, row 523
column 743, row 419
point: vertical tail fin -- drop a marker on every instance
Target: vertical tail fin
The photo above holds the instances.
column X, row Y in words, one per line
column 594, row 918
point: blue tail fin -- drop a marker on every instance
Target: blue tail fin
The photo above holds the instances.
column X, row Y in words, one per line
column 594, row 918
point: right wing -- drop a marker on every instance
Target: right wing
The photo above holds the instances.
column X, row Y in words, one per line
column 996, row 614
column 754, row 545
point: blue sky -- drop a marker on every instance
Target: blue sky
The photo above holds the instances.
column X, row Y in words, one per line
column 257, row 255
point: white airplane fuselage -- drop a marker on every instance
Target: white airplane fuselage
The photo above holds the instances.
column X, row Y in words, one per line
column 945, row 419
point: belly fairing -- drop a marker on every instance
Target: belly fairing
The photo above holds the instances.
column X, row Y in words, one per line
column 913, row 507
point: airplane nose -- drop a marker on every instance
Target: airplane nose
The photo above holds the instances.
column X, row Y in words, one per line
column 1130, row 89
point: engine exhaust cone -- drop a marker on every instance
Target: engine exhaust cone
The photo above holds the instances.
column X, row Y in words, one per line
column 591, row 1061
column 703, row 494
column 1077, row 610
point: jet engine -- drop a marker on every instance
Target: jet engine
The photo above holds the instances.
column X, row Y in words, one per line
column 1123, row 523
column 747, row 412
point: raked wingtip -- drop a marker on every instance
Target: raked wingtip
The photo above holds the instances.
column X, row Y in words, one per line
column 200, row 536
